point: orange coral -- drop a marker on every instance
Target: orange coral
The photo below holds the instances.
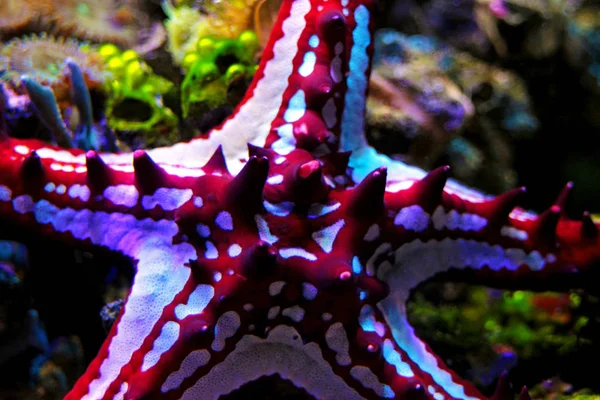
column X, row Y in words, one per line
column 17, row 14
column 265, row 13
column 114, row 21
column 234, row 16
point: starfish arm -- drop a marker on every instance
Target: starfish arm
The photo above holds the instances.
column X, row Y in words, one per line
column 85, row 199
column 441, row 229
column 415, row 229
column 145, row 329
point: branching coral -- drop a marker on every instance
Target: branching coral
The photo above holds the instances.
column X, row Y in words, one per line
column 86, row 135
column 42, row 58
column 114, row 21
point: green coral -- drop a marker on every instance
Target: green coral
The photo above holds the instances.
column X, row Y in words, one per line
column 133, row 82
column 214, row 66
column 556, row 389
column 477, row 322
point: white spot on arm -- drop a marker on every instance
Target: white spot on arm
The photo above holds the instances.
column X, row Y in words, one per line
column 50, row 187
column 234, row 250
column 79, row 191
column 169, row 199
column 282, row 209
column 368, row 322
column 369, row 380
column 297, row 252
column 318, row 210
column 227, row 325
column 309, row 291
column 122, row 195
column 167, row 338
column 276, row 287
column 514, row 233
column 224, row 221
column 472, row 222
column 217, row 276
column 273, row 312
column 336, row 64
column 454, row 220
column 372, row 233
column 287, row 142
column 203, row 230
column 196, row 303
column 356, row 265
column 263, row 230
column 122, row 390
column 295, row 313
column 314, row 41
column 337, row 340
column 211, row 252
column 23, row 150
column 275, row 179
column 329, row 113
column 5, row 193
column 412, row 218
column 296, row 107
column 308, row 65
column 393, row 358
column 193, row 361
column 326, row 237
column 23, row 204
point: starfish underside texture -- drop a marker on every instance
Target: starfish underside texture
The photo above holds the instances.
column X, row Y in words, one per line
column 280, row 242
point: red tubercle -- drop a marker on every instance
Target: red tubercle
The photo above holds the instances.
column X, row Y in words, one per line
column 217, row 164
column 308, row 169
column 498, row 209
column 366, row 199
column 149, row 176
column 310, row 131
column 304, row 184
column 318, row 86
column 332, row 25
column 99, row 175
column 243, row 195
column 589, row 229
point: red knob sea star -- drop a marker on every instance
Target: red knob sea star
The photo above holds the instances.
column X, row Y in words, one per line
column 295, row 257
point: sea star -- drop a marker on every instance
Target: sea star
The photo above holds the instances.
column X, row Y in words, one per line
column 268, row 257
